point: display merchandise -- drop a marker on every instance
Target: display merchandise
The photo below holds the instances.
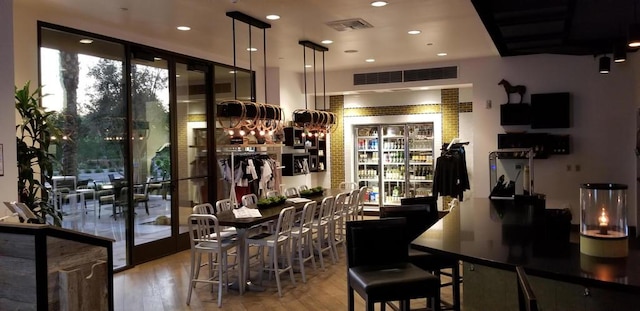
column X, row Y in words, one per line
column 394, row 161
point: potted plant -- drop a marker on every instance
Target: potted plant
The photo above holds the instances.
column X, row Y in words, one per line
column 34, row 135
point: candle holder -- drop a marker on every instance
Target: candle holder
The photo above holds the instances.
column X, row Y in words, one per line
column 603, row 220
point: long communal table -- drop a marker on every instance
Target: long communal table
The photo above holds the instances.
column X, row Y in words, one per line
column 242, row 225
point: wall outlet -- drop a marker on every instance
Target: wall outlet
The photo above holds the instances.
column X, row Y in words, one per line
column 568, row 167
column 488, row 104
column 578, row 168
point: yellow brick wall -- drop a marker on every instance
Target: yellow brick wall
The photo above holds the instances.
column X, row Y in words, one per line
column 450, row 111
column 336, row 152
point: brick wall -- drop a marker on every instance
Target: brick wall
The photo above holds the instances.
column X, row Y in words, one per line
column 450, row 118
column 336, row 152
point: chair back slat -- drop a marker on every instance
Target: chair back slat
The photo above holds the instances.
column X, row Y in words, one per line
column 308, row 212
column 291, row 192
column 204, row 228
column 223, row 205
column 376, row 242
column 341, row 204
column 204, row 208
column 285, row 221
column 249, row 200
column 326, row 208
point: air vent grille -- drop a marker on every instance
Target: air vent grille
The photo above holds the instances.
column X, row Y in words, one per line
column 377, row 77
column 431, row 74
column 349, row 24
column 406, row 76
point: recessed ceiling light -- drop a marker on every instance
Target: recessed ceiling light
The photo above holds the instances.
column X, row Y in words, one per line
column 326, row 41
column 232, row 71
column 157, row 58
column 351, row 51
column 414, row 32
column 430, row 43
column 369, row 60
column 424, row 88
column 178, row 76
column 252, row 49
column 86, row 41
column 307, row 66
column 184, row 28
column 442, row 54
column 378, row 4
column 273, row 17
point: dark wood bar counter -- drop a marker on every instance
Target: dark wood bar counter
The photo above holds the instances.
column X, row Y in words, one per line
column 493, row 239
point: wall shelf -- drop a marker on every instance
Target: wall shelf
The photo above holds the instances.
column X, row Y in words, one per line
column 294, row 163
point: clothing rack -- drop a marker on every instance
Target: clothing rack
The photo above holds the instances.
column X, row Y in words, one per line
column 237, row 150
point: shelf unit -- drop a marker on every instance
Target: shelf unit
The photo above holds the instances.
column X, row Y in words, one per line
column 394, row 161
column 294, row 163
column 293, row 137
column 316, row 147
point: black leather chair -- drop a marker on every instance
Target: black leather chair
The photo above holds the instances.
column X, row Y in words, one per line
column 526, row 298
column 378, row 267
column 421, row 213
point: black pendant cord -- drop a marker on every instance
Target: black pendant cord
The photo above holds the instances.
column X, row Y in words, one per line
column 324, row 85
column 253, row 95
column 235, row 65
column 315, row 85
column 304, row 60
column 264, row 49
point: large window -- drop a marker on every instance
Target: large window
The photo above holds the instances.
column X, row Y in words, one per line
column 83, row 78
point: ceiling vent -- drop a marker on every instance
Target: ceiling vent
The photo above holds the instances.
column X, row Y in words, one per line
column 349, row 24
column 431, row 74
column 377, row 77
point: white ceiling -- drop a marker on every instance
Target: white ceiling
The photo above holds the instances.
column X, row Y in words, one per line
column 450, row 26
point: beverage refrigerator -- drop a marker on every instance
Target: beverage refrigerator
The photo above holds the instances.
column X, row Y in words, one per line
column 394, row 161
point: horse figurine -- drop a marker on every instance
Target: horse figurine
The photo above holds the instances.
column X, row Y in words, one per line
column 520, row 89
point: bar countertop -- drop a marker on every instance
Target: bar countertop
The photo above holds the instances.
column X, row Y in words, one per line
column 480, row 232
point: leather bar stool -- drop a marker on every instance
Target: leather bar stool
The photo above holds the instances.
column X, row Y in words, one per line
column 421, row 213
column 378, row 266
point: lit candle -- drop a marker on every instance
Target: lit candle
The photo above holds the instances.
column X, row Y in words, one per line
column 603, row 220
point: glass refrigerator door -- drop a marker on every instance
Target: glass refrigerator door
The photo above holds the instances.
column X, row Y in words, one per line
column 368, row 162
column 393, row 163
column 421, row 159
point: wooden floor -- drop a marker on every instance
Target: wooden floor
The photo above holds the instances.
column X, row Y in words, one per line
column 162, row 285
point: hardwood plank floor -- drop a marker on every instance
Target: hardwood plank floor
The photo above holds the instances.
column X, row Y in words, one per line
column 162, row 285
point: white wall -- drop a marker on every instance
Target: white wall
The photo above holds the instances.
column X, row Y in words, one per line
column 8, row 182
column 602, row 133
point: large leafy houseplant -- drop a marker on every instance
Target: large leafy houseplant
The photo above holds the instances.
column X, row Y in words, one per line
column 35, row 133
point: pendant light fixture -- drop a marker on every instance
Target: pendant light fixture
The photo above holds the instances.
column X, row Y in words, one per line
column 604, row 64
column 249, row 117
column 313, row 121
column 619, row 51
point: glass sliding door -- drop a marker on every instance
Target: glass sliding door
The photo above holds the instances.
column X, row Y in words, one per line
column 139, row 134
column 84, row 77
column 150, row 146
column 192, row 144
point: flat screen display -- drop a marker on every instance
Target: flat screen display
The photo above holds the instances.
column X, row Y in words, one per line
column 550, row 110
